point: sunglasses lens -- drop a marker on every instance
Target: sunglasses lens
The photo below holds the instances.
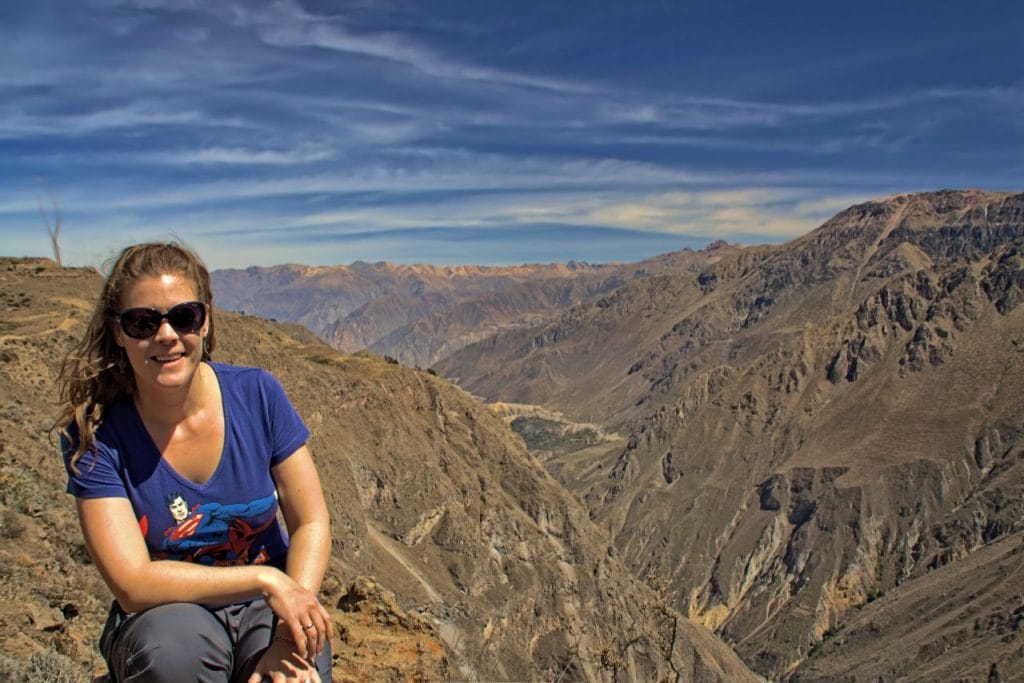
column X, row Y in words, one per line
column 187, row 318
column 142, row 323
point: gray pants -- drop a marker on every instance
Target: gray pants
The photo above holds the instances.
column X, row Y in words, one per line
column 187, row 642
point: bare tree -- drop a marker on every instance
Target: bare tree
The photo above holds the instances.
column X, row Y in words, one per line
column 53, row 228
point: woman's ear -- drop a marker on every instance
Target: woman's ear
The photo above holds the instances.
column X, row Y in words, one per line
column 118, row 338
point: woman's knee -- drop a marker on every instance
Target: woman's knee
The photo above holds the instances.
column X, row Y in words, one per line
column 174, row 642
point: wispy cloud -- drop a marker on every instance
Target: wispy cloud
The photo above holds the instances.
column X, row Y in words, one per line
column 286, row 24
column 244, row 156
column 772, row 213
column 140, row 115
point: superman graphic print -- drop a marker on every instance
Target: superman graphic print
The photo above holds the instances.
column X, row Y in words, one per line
column 215, row 533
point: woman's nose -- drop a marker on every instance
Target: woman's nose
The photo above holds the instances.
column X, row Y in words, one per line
column 166, row 332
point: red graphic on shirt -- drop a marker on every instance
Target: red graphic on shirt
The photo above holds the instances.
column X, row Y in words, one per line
column 218, row 533
column 186, row 529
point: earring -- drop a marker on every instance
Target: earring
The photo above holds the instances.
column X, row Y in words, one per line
column 122, row 362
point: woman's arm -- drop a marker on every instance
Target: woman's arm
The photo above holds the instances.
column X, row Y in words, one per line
column 305, row 514
column 117, row 547
column 309, row 547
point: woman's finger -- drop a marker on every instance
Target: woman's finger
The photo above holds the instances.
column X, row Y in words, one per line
column 330, row 623
column 299, row 635
column 317, row 631
column 326, row 630
column 312, row 637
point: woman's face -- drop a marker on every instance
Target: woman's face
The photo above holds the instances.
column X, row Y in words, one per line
column 168, row 359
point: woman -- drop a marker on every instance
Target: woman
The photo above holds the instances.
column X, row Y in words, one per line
column 178, row 465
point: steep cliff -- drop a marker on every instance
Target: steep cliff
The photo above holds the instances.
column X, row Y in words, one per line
column 807, row 426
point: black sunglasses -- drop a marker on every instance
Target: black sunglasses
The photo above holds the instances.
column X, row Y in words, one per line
column 142, row 323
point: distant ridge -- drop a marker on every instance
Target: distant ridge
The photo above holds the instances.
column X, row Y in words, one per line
column 419, row 314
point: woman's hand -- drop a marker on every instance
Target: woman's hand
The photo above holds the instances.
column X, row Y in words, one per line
column 299, row 611
column 305, row 514
column 282, row 664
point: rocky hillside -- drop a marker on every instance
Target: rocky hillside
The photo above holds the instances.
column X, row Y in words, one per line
column 419, row 314
column 822, row 440
column 454, row 552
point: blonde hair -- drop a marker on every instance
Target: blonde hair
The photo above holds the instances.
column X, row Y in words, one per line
column 96, row 371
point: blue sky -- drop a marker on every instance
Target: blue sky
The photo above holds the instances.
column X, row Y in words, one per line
column 319, row 131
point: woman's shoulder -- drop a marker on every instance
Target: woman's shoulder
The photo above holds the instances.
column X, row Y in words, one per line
column 241, row 376
column 233, row 371
column 116, row 414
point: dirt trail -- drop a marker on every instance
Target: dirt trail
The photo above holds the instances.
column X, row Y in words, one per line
column 391, row 547
column 451, row 634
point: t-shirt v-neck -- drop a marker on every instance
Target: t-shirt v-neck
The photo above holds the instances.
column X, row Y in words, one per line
column 171, row 469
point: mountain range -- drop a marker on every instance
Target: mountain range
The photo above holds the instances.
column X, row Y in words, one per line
column 801, row 461
column 794, row 428
column 419, row 314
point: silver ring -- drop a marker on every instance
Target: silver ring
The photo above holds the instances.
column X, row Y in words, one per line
column 308, row 626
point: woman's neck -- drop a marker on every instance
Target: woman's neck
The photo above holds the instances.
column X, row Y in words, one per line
column 172, row 406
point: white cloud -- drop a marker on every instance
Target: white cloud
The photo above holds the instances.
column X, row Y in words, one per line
column 771, row 213
column 245, row 156
column 14, row 123
column 285, row 24
column 826, row 207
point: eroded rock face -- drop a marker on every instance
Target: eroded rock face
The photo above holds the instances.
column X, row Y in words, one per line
column 834, row 409
column 974, row 611
column 866, row 484
column 377, row 640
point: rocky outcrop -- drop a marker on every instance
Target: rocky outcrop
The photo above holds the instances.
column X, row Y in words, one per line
column 377, row 640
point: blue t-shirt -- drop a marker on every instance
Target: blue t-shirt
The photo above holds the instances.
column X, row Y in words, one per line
column 231, row 519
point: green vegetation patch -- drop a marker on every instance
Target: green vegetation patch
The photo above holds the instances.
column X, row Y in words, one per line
column 552, row 436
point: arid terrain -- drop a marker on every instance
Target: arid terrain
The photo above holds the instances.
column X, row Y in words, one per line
column 793, row 462
column 419, row 314
column 820, row 443
column 455, row 554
